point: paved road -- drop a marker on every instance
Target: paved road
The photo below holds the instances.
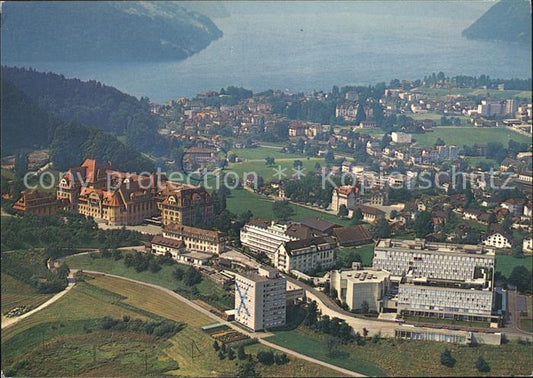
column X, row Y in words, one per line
column 233, row 326
column 8, row 322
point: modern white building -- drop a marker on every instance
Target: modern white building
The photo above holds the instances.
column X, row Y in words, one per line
column 401, row 138
column 305, row 254
column 438, row 279
column 263, row 235
column 260, row 299
column 445, row 302
column 420, row 258
column 355, row 287
column 527, row 245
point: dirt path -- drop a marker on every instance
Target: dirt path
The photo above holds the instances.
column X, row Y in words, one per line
column 8, row 322
column 258, row 335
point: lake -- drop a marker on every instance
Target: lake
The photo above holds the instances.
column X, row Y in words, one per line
column 312, row 46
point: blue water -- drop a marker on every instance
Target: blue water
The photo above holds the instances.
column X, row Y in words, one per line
column 310, row 46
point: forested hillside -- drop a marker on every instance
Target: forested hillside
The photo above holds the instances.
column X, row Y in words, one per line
column 91, row 103
column 102, row 31
column 27, row 126
column 507, row 20
column 24, row 124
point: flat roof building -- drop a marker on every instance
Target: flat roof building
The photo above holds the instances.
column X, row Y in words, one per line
column 439, row 279
column 260, row 299
column 355, row 287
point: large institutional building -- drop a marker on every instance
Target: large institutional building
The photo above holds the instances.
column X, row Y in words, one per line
column 357, row 287
column 260, row 299
column 264, row 235
column 119, row 198
column 305, row 254
column 438, row 279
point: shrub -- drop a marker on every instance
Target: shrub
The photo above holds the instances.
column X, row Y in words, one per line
column 265, row 357
column 446, row 358
column 241, row 354
column 482, row 365
column 281, row 359
column 216, row 347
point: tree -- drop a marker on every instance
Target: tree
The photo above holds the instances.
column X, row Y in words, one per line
column 329, row 158
column 281, row 359
column 446, row 358
column 297, row 164
column 191, row 276
column 178, row 274
column 382, row 229
column 269, row 160
column 223, row 348
column 216, row 347
column 522, row 278
column 343, row 211
column 282, row 210
column 231, row 354
column 266, row 357
column 221, row 355
column 357, row 216
column 482, row 365
column 300, row 144
column 247, row 370
column 423, row 224
column 241, row 354
column 507, row 224
column 393, row 214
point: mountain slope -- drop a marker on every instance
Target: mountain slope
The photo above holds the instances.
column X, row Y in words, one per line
column 507, row 20
column 102, row 31
column 26, row 126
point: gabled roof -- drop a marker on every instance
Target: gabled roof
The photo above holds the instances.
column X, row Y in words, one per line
column 304, row 243
column 318, row 224
column 352, row 234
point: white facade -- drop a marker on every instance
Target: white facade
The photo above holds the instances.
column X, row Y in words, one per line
column 432, row 260
column 444, row 300
column 264, row 238
column 400, row 138
column 305, row 255
column 527, row 245
column 260, row 299
column 439, row 279
column 497, row 240
column 354, row 287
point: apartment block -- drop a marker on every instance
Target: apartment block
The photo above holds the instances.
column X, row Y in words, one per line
column 260, row 299
column 305, row 255
column 264, row 235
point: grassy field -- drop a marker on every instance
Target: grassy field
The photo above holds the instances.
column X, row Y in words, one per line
column 409, row 358
column 208, row 291
column 469, row 136
column 365, row 251
column 242, row 200
column 73, row 344
column 254, row 161
column 16, row 293
column 505, row 264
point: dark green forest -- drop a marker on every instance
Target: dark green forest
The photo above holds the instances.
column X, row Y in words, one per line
column 507, row 20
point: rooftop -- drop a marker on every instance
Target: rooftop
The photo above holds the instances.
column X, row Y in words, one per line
column 425, row 246
column 364, row 276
